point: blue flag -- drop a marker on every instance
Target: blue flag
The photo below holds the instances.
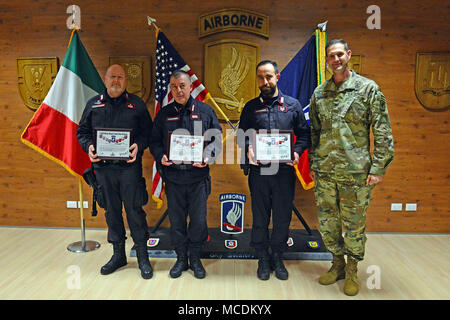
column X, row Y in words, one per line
column 299, row 78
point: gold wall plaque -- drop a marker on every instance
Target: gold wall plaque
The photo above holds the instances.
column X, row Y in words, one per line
column 35, row 77
column 230, row 74
column 432, row 83
column 138, row 74
column 233, row 19
column 353, row 64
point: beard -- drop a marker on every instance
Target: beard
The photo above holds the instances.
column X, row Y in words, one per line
column 267, row 91
column 116, row 89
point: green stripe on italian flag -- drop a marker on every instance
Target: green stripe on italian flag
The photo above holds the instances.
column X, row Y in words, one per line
column 52, row 130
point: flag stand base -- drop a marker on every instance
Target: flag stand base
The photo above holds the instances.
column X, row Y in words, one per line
column 83, row 245
column 86, row 247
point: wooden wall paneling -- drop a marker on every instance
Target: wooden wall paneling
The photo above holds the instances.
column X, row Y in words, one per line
column 34, row 190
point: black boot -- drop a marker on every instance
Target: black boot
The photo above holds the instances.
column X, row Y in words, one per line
column 180, row 265
column 264, row 269
column 196, row 264
column 119, row 259
column 278, row 266
column 143, row 262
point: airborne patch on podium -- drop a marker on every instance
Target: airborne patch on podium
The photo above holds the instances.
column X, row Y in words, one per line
column 290, row 242
column 231, row 244
column 232, row 212
column 313, row 245
column 152, row 242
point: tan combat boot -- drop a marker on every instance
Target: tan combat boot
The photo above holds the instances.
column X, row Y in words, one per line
column 351, row 286
column 336, row 272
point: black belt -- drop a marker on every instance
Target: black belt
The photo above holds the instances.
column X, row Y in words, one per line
column 182, row 166
column 114, row 162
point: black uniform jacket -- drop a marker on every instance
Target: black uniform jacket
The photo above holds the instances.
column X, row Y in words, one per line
column 175, row 116
column 282, row 113
column 127, row 111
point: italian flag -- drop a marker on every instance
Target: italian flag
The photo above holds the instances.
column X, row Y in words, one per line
column 53, row 129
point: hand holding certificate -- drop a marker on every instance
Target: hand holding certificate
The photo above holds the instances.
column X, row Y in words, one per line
column 273, row 146
column 185, row 149
column 113, row 144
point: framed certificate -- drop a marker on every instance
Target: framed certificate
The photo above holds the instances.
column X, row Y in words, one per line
column 273, row 145
column 185, row 148
column 113, row 144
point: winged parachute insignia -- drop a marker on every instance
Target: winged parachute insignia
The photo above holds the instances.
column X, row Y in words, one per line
column 231, row 78
column 234, row 214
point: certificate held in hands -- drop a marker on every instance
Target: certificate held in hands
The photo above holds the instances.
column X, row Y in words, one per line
column 113, row 144
column 274, row 146
column 185, row 148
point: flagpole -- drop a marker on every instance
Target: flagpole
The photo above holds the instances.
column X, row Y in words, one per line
column 83, row 245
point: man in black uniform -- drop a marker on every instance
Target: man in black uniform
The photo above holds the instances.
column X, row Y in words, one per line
column 120, row 180
column 272, row 190
column 187, row 186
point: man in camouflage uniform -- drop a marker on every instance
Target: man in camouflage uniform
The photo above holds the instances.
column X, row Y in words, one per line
column 341, row 111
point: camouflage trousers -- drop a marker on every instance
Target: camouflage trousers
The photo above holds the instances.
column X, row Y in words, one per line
column 343, row 200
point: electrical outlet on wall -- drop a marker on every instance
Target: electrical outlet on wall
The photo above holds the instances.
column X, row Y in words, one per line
column 85, row 204
column 396, row 206
column 71, row 204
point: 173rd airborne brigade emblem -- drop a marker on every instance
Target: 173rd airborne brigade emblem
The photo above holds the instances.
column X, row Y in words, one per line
column 35, row 77
column 232, row 213
column 230, row 74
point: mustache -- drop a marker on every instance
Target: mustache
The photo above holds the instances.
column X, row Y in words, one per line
column 116, row 88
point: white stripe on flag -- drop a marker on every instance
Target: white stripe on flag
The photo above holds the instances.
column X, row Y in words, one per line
column 69, row 94
column 157, row 191
column 197, row 91
column 166, row 101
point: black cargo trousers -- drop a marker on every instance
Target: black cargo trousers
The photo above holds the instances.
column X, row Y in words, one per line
column 185, row 200
column 123, row 183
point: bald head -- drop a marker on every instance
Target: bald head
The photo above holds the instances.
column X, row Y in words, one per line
column 115, row 80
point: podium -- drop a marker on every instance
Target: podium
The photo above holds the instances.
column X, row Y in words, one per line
column 303, row 244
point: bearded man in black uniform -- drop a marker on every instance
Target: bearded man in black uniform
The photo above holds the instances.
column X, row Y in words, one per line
column 121, row 181
column 187, row 186
column 272, row 188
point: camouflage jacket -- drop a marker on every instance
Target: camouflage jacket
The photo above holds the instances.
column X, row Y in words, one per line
column 340, row 120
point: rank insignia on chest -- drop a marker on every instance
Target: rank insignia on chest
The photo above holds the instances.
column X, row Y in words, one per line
column 232, row 212
column 282, row 108
column 262, row 110
column 98, row 105
column 195, row 116
column 130, row 106
column 169, row 119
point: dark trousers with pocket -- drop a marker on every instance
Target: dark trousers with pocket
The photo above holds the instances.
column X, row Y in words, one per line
column 185, row 200
column 123, row 184
column 271, row 195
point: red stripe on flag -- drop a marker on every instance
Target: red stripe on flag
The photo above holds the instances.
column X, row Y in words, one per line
column 55, row 134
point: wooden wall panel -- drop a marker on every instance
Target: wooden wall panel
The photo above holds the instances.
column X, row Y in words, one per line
column 34, row 190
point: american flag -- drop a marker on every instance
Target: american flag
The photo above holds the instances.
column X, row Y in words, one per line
column 168, row 60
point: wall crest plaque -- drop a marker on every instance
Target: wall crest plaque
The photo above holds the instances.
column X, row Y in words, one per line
column 230, row 74
column 35, row 77
column 138, row 74
column 432, row 83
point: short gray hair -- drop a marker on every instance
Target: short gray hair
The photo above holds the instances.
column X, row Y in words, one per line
column 178, row 72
